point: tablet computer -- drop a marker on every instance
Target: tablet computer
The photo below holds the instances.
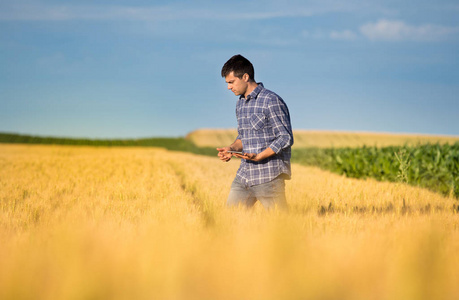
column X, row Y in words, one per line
column 235, row 152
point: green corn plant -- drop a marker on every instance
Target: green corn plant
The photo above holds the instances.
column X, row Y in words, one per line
column 404, row 165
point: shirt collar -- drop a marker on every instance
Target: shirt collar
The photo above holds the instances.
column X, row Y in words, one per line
column 255, row 92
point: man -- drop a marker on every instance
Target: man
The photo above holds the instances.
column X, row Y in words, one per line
column 264, row 139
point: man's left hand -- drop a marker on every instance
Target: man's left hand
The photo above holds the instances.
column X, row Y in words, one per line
column 248, row 156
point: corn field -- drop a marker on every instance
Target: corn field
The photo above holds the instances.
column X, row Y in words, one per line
column 432, row 166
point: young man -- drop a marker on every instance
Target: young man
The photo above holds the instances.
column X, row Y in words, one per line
column 264, row 139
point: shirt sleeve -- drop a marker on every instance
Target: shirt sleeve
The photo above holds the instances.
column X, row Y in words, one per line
column 279, row 117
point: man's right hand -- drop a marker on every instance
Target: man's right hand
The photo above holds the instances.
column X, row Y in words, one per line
column 223, row 154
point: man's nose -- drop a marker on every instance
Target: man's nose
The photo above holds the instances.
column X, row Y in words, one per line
column 229, row 87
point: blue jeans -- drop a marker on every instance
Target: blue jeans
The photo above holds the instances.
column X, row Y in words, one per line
column 270, row 194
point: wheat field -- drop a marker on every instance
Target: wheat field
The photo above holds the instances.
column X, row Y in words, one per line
column 324, row 139
column 146, row 223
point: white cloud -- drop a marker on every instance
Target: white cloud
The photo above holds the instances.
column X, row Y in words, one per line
column 33, row 12
column 387, row 30
column 24, row 10
column 30, row 12
column 346, row 35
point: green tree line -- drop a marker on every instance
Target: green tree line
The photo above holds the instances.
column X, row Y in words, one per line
column 175, row 144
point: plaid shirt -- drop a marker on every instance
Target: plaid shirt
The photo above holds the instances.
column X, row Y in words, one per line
column 264, row 121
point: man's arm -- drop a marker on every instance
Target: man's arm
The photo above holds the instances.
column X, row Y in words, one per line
column 268, row 152
column 279, row 117
column 236, row 146
column 223, row 152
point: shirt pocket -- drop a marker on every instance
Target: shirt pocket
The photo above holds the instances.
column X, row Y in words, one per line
column 258, row 121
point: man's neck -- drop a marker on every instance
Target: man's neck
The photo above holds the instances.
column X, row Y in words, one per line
column 251, row 86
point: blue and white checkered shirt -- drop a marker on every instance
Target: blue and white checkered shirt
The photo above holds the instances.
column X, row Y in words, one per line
column 264, row 121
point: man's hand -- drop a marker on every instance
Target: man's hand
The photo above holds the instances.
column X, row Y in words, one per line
column 248, row 156
column 223, row 154
column 268, row 152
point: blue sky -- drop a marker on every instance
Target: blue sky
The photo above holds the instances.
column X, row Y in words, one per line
column 128, row 69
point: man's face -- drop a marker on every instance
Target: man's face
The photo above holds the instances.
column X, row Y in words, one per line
column 237, row 85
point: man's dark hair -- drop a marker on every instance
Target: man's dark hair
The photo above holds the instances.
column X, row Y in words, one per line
column 239, row 65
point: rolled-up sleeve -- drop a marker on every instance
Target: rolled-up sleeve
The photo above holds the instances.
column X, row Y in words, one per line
column 279, row 118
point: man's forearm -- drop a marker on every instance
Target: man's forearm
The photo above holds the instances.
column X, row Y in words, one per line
column 237, row 145
column 268, row 152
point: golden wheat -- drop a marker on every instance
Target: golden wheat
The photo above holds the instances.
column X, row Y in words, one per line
column 140, row 223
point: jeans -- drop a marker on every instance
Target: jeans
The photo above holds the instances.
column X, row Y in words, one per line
column 270, row 194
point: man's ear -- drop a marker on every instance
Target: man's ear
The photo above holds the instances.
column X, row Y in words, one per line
column 246, row 77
